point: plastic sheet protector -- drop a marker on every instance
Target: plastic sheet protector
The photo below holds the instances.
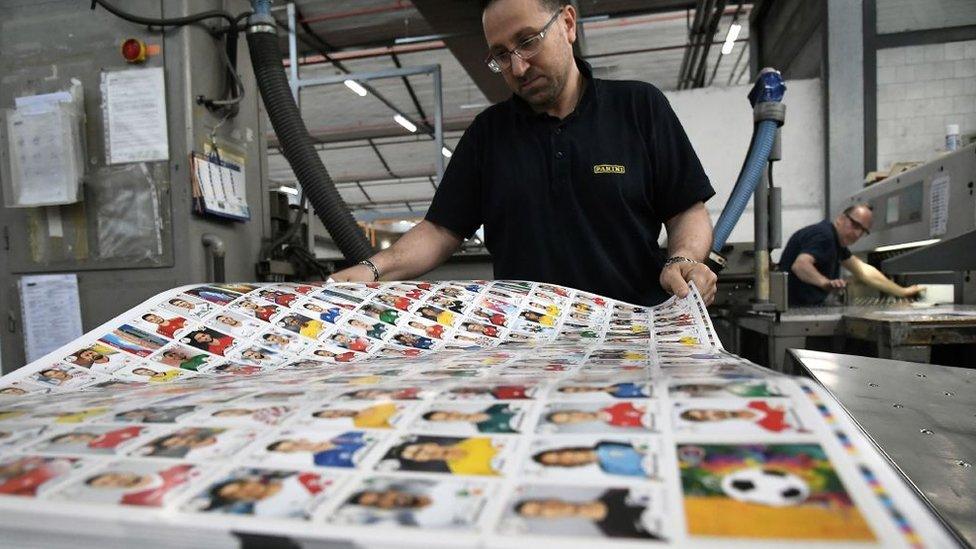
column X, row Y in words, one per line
column 441, row 414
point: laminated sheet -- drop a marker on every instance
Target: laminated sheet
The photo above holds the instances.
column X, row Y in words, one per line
column 448, row 414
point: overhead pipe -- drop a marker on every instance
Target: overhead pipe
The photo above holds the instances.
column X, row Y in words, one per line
column 769, row 113
column 296, row 144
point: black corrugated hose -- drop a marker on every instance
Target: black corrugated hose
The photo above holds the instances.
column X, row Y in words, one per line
column 297, row 146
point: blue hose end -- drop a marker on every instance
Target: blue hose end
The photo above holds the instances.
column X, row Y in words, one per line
column 261, row 7
column 769, row 87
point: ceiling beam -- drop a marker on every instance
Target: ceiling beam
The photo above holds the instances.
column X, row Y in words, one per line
column 462, row 20
column 375, row 131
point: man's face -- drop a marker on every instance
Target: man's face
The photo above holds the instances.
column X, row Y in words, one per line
column 155, row 319
column 118, row 480
column 202, row 337
column 548, row 508
column 175, row 354
column 853, row 225
column 232, row 412
column 76, row 438
column 717, row 415
column 182, row 303
column 431, row 451
column 89, row 355
column 568, row 457
column 188, row 441
column 373, row 394
column 250, row 490
column 573, row 416
column 698, row 388
column 289, row 446
column 449, row 415
column 228, row 320
column 392, row 499
column 581, row 389
column 334, row 414
column 56, row 374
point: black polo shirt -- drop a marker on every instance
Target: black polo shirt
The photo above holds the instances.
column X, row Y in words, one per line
column 579, row 201
column 819, row 240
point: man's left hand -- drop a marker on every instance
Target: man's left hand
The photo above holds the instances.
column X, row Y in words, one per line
column 675, row 277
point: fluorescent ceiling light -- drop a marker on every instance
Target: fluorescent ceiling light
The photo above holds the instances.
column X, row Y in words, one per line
column 424, row 38
column 356, row 88
column 730, row 38
column 401, row 120
column 917, row 243
column 446, row 152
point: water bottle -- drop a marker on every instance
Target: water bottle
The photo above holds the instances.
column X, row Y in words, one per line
column 953, row 142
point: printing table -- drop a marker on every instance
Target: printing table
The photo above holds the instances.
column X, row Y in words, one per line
column 900, row 332
column 922, row 416
column 789, row 331
column 908, row 334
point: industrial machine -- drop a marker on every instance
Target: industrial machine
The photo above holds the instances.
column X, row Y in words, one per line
column 133, row 231
column 924, row 232
column 925, row 224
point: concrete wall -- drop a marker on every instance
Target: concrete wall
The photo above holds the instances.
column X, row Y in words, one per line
column 719, row 123
column 909, row 15
column 920, row 90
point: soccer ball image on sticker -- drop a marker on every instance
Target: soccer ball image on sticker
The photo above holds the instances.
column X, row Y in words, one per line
column 765, row 487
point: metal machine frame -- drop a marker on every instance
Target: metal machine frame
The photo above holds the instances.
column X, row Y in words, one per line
column 193, row 67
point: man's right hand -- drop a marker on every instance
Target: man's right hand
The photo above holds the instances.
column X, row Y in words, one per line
column 834, row 285
column 356, row 273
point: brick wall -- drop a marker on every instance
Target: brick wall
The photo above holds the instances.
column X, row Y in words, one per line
column 921, row 89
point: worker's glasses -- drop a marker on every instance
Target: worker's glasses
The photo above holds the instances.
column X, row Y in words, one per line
column 857, row 224
column 529, row 47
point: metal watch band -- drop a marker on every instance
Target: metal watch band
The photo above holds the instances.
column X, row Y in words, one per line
column 376, row 272
column 678, row 259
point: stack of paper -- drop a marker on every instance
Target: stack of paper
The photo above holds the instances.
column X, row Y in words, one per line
column 481, row 414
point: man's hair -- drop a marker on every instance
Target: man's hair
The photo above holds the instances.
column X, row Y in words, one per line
column 273, row 447
column 549, row 5
column 853, row 207
column 90, row 481
column 538, row 456
column 687, row 415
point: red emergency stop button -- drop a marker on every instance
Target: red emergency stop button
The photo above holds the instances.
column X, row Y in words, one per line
column 134, row 50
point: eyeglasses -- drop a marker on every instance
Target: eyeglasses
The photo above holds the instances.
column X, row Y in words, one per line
column 857, row 224
column 528, row 48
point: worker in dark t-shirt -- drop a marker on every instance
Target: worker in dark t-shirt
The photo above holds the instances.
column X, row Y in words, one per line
column 814, row 254
column 572, row 178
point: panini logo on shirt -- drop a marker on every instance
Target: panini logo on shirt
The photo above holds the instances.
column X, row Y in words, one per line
column 609, row 168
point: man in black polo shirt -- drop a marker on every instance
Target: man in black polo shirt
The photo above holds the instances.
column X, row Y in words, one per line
column 814, row 254
column 572, row 177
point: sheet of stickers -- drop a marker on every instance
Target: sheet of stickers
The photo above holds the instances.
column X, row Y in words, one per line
column 482, row 414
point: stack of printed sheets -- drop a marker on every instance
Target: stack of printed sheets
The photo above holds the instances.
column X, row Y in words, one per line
column 473, row 413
